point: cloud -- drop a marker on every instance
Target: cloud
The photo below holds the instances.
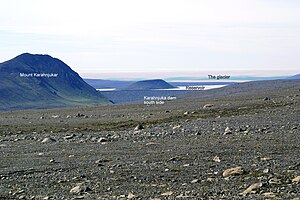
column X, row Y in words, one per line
column 141, row 35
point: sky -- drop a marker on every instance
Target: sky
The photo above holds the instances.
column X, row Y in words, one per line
column 128, row 38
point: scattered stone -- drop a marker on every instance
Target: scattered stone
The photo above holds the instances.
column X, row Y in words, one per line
column 233, row 171
column 80, row 189
column 269, row 195
column 101, row 161
column 102, row 139
column 252, row 188
column 152, row 143
column 182, row 196
column 79, row 197
column 77, row 190
column 68, row 137
column 267, row 99
column 265, row 171
column 167, row 193
column 296, row 179
column 48, row 140
column 139, row 127
column 227, row 131
column 208, row 105
column 242, row 129
column 79, row 114
column 55, row 116
column 275, row 181
column 52, row 161
column 295, row 166
column 131, row 196
column 176, row 158
column 195, row 181
column 177, row 127
column 216, row 159
column 198, row 133
column 294, row 127
column 265, row 159
column 19, row 192
column 186, row 113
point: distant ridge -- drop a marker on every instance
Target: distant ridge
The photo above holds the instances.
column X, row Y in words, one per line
column 31, row 81
column 104, row 84
column 150, row 85
column 250, row 89
column 297, row 76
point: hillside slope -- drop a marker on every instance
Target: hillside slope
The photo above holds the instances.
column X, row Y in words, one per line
column 40, row 81
column 249, row 89
column 297, row 76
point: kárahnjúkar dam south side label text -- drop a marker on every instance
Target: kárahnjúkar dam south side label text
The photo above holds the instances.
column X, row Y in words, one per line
column 157, row 100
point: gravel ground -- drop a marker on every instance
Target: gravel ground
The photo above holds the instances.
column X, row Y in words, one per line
column 237, row 148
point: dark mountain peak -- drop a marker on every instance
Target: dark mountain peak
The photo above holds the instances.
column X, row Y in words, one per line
column 28, row 55
column 31, row 79
column 32, row 58
column 36, row 59
column 153, row 80
column 34, row 63
column 297, row 76
column 150, row 84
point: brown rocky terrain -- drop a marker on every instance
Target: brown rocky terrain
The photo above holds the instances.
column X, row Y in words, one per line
column 243, row 146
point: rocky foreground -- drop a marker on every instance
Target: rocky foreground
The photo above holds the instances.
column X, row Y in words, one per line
column 238, row 148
